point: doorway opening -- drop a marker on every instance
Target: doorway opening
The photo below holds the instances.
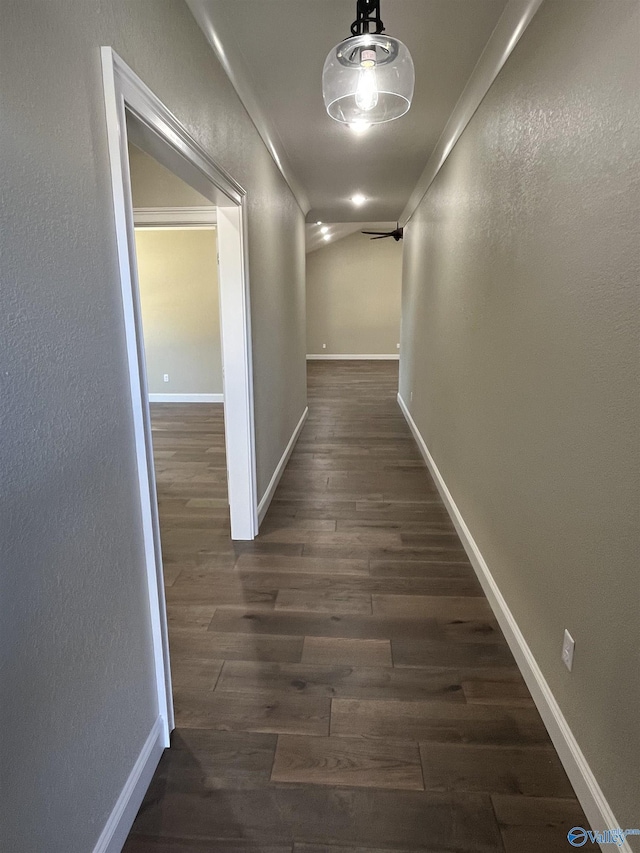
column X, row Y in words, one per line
column 135, row 116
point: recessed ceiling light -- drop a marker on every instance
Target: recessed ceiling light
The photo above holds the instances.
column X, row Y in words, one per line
column 359, row 127
column 318, row 222
column 324, row 229
column 358, row 199
column 327, row 237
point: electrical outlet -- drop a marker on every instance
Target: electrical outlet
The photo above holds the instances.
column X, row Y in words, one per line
column 324, row 346
column 568, row 645
column 397, row 346
column 166, row 377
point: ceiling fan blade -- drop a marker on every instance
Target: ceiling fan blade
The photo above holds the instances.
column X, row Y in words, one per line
column 397, row 234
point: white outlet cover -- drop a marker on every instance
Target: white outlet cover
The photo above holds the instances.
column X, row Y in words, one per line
column 568, row 646
column 166, row 377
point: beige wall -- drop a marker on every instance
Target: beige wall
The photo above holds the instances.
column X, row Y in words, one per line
column 78, row 697
column 520, row 345
column 353, row 297
column 177, row 270
column 154, row 186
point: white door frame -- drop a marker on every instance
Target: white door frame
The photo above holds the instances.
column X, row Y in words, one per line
column 125, row 92
column 181, row 218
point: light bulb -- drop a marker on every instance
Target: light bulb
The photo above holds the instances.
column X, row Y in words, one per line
column 367, row 89
column 358, row 199
column 324, row 229
column 359, row 126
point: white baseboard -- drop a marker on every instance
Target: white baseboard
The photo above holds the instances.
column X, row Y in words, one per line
column 263, row 506
column 392, row 356
column 117, row 827
column 585, row 784
column 186, row 398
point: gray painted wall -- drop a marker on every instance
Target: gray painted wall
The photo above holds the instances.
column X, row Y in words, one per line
column 520, row 344
column 77, row 684
column 353, row 296
column 154, row 186
column 178, row 277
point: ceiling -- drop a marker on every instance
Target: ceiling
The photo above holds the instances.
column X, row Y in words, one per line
column 317, row 238
column 277, row 49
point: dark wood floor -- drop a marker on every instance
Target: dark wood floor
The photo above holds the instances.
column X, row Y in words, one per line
column 340, row 683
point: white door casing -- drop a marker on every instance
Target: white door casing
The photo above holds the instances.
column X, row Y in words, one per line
column 127, row 96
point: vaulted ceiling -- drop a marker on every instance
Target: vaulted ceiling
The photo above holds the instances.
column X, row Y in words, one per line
column 274, row 51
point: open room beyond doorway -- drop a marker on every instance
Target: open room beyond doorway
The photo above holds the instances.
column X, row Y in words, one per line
column 176, row 255
column 354, row 289
column 176, row 249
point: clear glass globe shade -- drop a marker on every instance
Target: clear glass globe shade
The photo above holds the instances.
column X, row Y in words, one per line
column 368, row 78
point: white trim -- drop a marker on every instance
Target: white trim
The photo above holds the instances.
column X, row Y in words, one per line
column 125, row 242
column 263, row 506
column 392, row 356
column 120, row 821
column 228, row 54
column 143, row 103
column 515, row 18
column 585, row 784
column 237, row 372
column 186, row 398
column 159, row 129
column 176, row 228
column 124, row 93
column 175, row 217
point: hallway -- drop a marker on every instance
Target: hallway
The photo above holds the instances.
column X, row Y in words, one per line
column 340, row 683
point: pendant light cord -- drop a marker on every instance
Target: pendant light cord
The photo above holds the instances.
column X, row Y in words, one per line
column 367, row 12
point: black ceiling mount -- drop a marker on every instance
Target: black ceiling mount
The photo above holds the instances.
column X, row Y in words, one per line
column 367, row 13
column 396, row 233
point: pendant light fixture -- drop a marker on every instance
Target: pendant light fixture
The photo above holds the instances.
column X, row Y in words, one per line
column 368, row 77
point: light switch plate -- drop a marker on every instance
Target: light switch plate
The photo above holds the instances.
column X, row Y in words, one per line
column 568, row 645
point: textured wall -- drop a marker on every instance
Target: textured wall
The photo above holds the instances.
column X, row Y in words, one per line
column 520, row 345
column 154, row 186
column 353, row 296
column 177, row 271
column 75, row 669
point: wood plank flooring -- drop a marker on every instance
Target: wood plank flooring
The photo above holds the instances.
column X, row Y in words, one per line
column 340, row 684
